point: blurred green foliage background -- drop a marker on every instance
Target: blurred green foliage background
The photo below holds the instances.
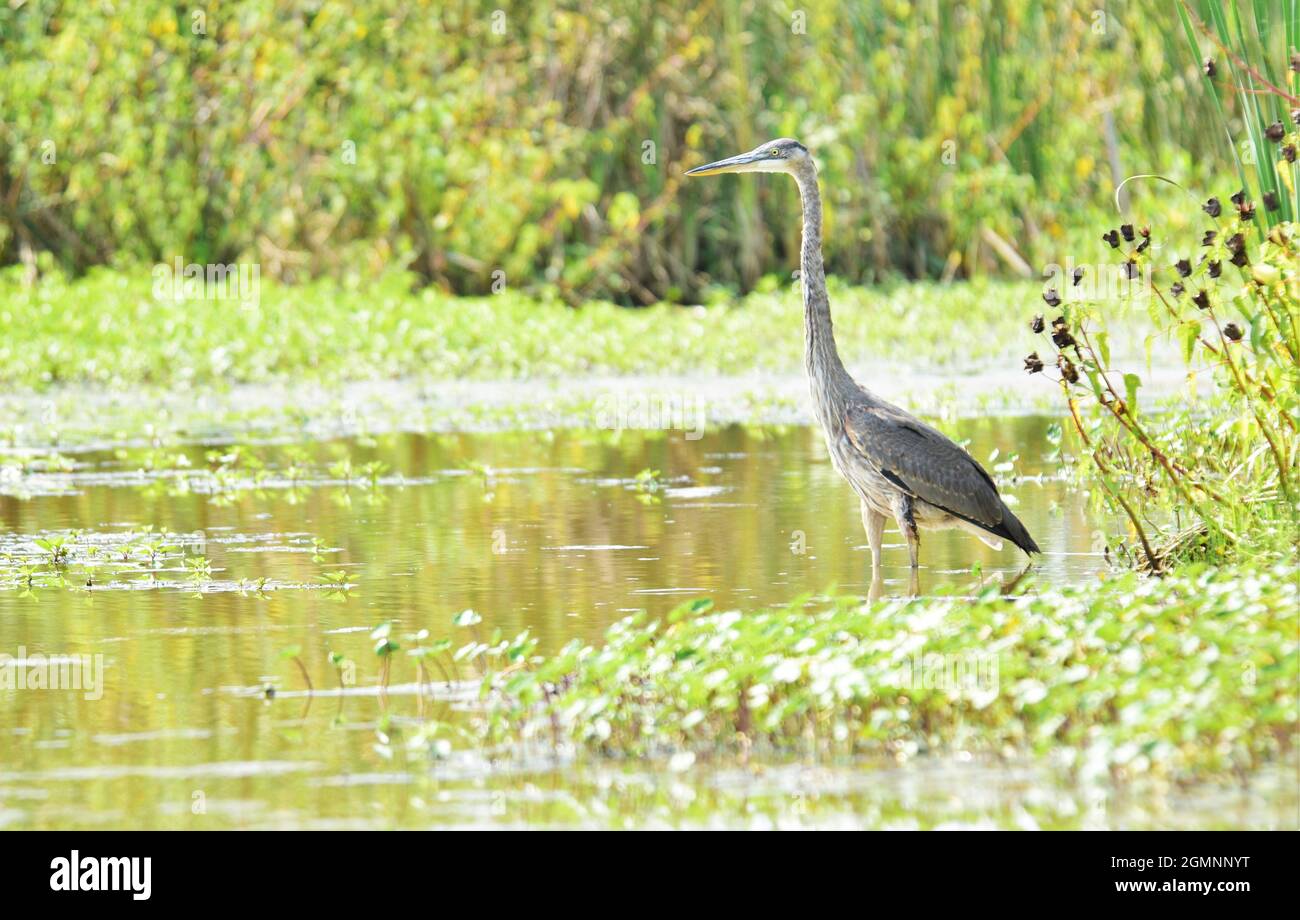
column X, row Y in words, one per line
column 547, row 141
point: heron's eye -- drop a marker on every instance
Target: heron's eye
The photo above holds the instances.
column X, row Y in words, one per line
column 774, row 152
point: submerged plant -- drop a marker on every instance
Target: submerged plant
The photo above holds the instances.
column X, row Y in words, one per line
column 294, row 653
column 56, row 548
column 384, row 648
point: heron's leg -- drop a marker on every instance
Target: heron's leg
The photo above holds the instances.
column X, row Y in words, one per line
column 874, row 522
column 906, row 520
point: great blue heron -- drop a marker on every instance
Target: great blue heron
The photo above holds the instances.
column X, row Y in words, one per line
column 899, row 466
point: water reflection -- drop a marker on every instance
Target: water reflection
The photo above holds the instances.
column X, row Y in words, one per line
column 555, row 532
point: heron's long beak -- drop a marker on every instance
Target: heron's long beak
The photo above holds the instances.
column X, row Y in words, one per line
column 731, row 164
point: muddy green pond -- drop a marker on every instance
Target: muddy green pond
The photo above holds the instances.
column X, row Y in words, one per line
column 188, row 572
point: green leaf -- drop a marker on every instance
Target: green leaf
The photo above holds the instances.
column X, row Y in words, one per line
column 1103, row 347
column 466, row 618
column 1188, row 333
column 1131, row 384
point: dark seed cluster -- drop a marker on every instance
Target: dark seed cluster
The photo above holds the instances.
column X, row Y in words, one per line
column 1061, row 333
column 1068, row 370
column 1237, row 246
column 1233, row 332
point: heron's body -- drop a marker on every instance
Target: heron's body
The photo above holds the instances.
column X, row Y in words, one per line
column 900, row 467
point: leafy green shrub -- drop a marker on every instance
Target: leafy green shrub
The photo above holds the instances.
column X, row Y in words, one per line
column 1221, row 480
column 486, row 143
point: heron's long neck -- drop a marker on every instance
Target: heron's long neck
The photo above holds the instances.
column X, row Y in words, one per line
column 825, row 370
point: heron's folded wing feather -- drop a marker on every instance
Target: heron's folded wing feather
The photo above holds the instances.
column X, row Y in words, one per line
column 925, row 463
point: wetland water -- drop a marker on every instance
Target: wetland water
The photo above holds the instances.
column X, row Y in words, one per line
column 552, row 531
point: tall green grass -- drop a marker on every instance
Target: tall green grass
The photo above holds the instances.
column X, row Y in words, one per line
column 543, row 144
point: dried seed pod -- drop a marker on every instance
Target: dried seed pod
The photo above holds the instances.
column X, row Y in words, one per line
column 1126, row 231
column 1068, row 370
column 1061, row 337
column 1275, row 132
column 1033, row 364
column 1270, row 201
column 1212, row 207
column 1233, row 332
column 1202, row 299
column 1051, row 297
column 1112, row 237
column 1215, row 269
column 1078, row 275
column 1210, row 68
column 1288, row 153
column 1036, row 324
column 1184, row 267
column 1177, row 289
column 1209, row 238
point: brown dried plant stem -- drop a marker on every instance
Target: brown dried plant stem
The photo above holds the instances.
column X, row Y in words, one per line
column 1264, row 428
column 1236, row 59
column 1210, row 346
column 1176, row 475
column 1105, row 482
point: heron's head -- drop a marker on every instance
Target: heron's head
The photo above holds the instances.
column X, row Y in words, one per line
column 782, row 155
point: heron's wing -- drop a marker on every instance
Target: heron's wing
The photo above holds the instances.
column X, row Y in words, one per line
column 924, row 463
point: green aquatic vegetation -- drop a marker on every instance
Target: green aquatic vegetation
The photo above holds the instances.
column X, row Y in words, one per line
column 372, row 471
column 648, row 485
column 1192, row 674
column 294, row 653
column 56, row 548
column 344, row 669
column 200, row 573
column 312, row 333
column 385, row 647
